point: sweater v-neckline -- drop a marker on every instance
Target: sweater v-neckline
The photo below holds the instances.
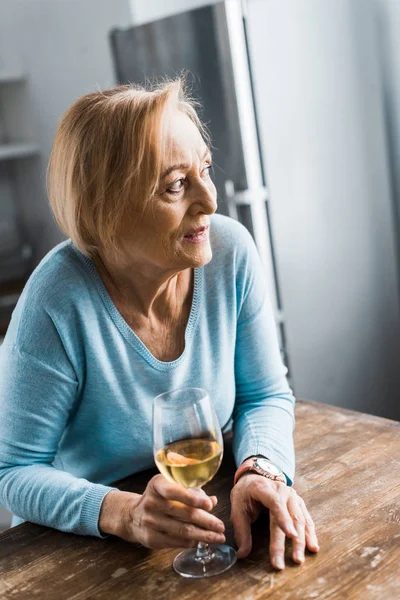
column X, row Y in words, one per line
column 128, row 332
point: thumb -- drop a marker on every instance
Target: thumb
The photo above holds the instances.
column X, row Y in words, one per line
column 242, row 530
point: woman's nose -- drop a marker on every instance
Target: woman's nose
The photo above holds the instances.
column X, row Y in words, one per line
column 205, row 199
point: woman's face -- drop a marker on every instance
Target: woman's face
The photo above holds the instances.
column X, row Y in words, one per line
column 184, row 201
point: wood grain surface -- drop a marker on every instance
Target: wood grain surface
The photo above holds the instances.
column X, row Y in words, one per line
column 348, row 472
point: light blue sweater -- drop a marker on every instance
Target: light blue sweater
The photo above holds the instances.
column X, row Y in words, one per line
column 76, row 383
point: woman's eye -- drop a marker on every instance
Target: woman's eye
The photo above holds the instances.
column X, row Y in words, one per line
column 176, row 186
column 207, row 170
column 179, row 184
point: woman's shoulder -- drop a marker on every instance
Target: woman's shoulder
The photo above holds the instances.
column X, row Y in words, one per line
column 60, row 271
column 232, row 244
column 229, row 229
column 52, row 288
column 229, row 236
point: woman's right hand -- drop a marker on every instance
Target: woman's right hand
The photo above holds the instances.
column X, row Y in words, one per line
column 166, row 515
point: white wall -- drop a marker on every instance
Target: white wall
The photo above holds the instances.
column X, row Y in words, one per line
column 320, row 104
column 64, row 49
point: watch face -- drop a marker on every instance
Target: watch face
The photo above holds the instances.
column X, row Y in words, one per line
column 264, row 464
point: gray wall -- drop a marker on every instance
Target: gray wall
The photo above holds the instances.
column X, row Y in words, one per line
column 150, row 10
column 320, row 104
column 388, row 20
column 63, row 46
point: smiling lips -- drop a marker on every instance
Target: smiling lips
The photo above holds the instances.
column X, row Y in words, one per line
column 198, row 235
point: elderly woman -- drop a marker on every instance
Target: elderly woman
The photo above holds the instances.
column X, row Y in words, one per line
column 151, row 291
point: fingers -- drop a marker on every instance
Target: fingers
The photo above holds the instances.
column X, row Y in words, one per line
column 196, row 516
column 298, row 544
column 242, row 530
column 181, row 530
column 305, row 534
column 172, row 491
column 311, row 536
column 277, row 505
column 288, row 517
column 277, row 544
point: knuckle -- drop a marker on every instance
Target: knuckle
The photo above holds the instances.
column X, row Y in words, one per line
column 185, row 530
column 154, row 481
column 191, row 513
column 209, row 537
column 261, row 482
column 149, row 502
column 146, row 520
column 276, row 504
column 298, row 518
column 153, row 484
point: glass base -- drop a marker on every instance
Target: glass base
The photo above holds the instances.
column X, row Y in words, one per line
column 221, row 559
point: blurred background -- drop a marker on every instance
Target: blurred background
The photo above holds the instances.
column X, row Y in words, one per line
column 302, row 98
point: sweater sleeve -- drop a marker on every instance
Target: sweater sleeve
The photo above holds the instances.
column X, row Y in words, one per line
column 263, row 417
column 36, row 400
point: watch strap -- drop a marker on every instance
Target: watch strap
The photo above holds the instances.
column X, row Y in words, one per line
column 249, row 465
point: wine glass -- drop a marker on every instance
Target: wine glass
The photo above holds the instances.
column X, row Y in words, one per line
column 188, row 448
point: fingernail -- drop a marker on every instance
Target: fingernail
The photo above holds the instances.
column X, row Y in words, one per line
column 220, row 527
column 280, row 563
column 219, row 538
column 299, row 556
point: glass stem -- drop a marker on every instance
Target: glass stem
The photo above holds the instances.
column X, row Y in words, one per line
column 203, row 551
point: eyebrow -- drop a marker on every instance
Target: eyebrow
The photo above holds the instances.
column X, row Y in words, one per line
column 181, row 166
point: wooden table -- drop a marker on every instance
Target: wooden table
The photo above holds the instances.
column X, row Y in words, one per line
column 348, row 472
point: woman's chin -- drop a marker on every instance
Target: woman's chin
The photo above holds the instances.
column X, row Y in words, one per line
column 199, row 258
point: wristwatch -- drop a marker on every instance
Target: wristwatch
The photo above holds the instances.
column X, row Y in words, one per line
column 262, row 466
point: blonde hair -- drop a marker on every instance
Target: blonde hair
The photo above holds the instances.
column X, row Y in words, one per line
column 107, row 154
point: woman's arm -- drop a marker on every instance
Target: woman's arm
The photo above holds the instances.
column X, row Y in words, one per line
column 35, row 403
column 263, row 418
column 263, row 424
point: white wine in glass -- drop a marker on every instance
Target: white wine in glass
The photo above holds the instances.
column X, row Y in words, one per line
column 188, row 449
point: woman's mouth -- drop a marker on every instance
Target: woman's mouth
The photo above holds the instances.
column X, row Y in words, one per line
column 200, row 235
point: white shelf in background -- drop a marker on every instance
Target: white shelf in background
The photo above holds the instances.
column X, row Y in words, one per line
column 11, row 77
column 17, row 150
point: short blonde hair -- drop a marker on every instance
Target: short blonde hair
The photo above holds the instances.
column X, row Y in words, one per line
column 107, row 153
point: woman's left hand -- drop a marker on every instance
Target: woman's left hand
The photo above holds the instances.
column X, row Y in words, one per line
column 287, row 511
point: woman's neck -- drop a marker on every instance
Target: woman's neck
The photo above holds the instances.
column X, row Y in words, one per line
column 147, row 291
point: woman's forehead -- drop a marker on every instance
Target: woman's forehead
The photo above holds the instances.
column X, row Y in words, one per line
column 183, row 138
column 185, row 153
